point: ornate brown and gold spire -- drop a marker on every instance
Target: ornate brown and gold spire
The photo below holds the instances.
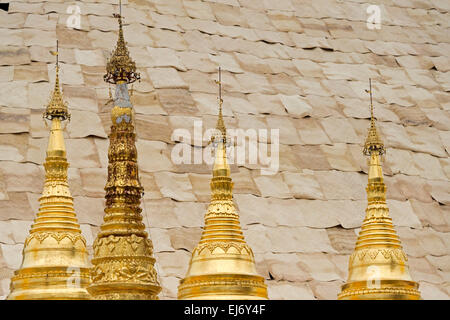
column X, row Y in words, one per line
column 222, row 265
column 378, row 268
column 55, row 262
column 123, row 263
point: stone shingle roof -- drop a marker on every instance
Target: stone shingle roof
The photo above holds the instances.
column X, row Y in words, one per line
column 298, row 65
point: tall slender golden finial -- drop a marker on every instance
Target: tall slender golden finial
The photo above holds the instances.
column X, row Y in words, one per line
column 56, row 107
column 55, row 260
column 222, row 265
column 378, row 268
column 220, row 123
column 373, row 141
column 120, row 68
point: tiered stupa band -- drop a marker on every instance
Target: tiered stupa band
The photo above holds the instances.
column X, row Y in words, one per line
column 378, row 267
column 222, row 265
column 123, row 263
column 55, row 262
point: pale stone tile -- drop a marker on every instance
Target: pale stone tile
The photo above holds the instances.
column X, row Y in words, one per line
column 401, row 161
column 200, row 185
column 12, row 254
column 175, row 186
column 254, row 83
column 439, row 191
column 402, row 214
column 10, row 55
column 169, row 287
column 296, row 105
column 169, row 266
column 288, row 133
column 165, row 57
column 82, row 153
column 428, row 166
column 252, row 63
column 422, row 270
column 90, row 57
column 85, row 123
column 13, row 95
column 303, row 185
column 185, row 238
column 42, row 22
column 190, row 214
column 14, row 205
column 311, row 132
column 267, row 104
column 339, row 130
column 319, row 266
column 272, row 186
column 342, row 240
column 326, row 290
column 168, row 39
column 339, row 157
column 94, row 180
column 424, row 140
column 289, row 291
column 287, row 267
column 14, row 120
column 342, row 185
column 197, row 61
column 22, row 177
column 161, row 244
column 157, row 151
column 198, row 10
column 89, row 210
column 166, row 78
column 11, row 147
column 430, row 291
column 310, row 157
column 395, row 135
column 318, row 213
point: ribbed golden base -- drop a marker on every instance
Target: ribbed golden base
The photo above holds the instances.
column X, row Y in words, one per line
column 124, row 291
column 50, row 283
column 382, row 290
column 223, row 287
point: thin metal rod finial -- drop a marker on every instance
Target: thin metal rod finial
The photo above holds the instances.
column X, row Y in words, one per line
column 371, row 103
column 57, row 53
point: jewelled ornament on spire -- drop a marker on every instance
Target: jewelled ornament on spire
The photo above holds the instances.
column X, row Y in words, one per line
column 120, row 68
column 378, row 267
column 55, row 261
column 222, row 265
column 123, row 262
column 57, row 107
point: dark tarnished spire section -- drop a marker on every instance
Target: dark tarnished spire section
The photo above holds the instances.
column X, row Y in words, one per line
column 123, row 262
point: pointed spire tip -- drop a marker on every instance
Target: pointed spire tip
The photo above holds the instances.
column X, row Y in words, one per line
column 373, row 141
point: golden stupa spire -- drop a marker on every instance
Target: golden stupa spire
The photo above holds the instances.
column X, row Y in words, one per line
column 378, row 268
column 123, row 263
column 222, row 265
column 55, row 261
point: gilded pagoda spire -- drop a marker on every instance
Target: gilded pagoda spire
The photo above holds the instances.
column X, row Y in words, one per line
column 55, row 261
column 378, row 267
column 123, row 262
column 222, row 265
